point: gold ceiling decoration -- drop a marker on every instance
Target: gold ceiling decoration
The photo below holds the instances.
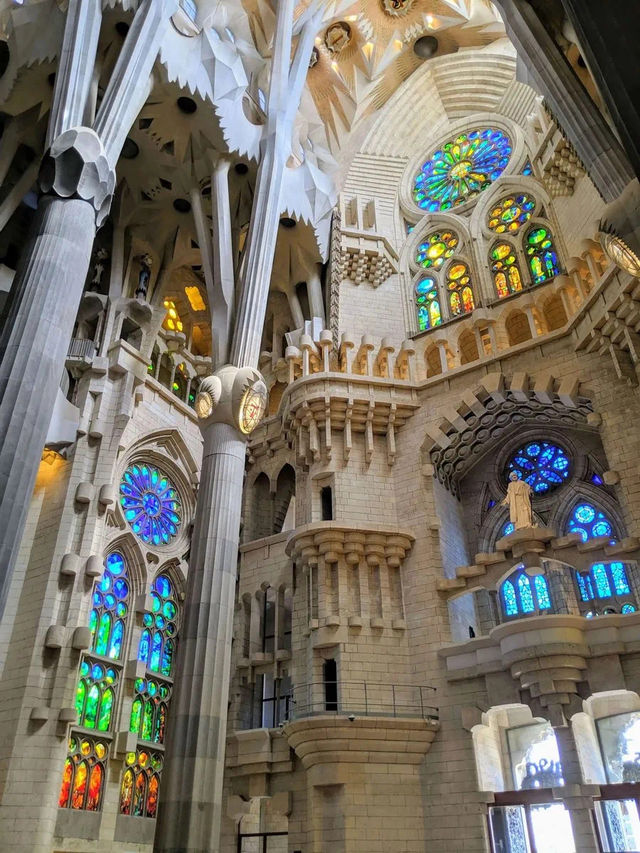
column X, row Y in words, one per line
column 397, row 8
column 337, row 37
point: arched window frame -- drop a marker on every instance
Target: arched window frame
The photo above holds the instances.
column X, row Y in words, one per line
column 613, row 576
column 573, row 524
column 87, row 749
column 532, row 225
column 524, row 586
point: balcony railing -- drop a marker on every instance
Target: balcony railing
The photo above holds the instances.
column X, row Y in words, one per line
column 80, row 349
column 363, row 698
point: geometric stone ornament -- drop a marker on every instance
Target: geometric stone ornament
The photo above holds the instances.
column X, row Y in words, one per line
column 76, row 167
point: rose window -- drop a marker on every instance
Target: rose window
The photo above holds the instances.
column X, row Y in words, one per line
column 151, row 504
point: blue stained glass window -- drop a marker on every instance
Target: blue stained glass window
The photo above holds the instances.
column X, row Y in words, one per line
column 510, row 600
column 582, row 586
column 151, row 504
column 542, row 592
column 597, row 480
column 589, row 521
column 107, row 632
column 603, row 587
column 526, row 597
column 429, row 314
column 619, row 577
column 628, row 608
column 544, row 466
column 461, row 169
column 527, row 169
column 523, row 595
column 508, row 528
column 158, row 646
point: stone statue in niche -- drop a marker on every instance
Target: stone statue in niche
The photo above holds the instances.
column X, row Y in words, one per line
column 98, row 270
column 518, row 500
column 144, row 276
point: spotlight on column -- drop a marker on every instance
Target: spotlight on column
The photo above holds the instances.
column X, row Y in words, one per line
column 620, row 229
column 621, row 254
column 351, row 718
column 235, row 396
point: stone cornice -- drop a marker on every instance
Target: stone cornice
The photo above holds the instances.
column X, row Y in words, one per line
column 332, row 541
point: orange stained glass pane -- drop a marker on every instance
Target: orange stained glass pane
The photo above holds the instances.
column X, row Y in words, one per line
column 79, row 786
column 95, row 788
column 457, row 271
column 67, row 776
column 152, row 796
column 501, row 285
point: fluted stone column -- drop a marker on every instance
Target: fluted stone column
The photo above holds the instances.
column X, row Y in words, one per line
column 77, row 181
column 191, row 796
column 39, row 323
column 595, row 143
column 190, row 803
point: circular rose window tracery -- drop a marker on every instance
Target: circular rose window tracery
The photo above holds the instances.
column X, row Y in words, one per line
column 461, row 169
column 150, row 503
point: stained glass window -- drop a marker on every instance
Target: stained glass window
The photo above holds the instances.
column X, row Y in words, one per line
column 527, row 169
column 604, row 580
column 508, row 528
column 543, row 260
column 459, row 289
column 589, row 522
column 510, row 600
column 95, row 695
column 628, row 608
column 149, row 709
column 510, row 214
column 83, row 775
column 158, row 640
column 429, row 314
column 109, row 611
column 150, row 503
column 461, row 169
column 172, row 321
column 543, row 465
column 141, row 783
column 436, row 249
column 505, row 269
column 523, row 595
column 84, row 769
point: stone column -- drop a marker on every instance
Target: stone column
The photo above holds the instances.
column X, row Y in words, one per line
column 43, row 305
column 595, row 143
column 577, row 798
column 50, row 277
column 599, row 27
column 191, row 797
column 314, row 289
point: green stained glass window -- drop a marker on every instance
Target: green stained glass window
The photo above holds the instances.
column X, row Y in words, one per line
column 157, row 642
column 461, row 169
column 541, row 254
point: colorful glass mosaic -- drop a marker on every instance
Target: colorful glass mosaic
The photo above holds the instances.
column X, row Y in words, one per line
column 95, row 695
column 461, row 169
column 429, row 314
column 527, row 169
column 149, row 710
column 141, row 783
column 150, row 503
column 83, row 775
column 543, row 260
column 510, row 214
column 436, row 249
column 157, row 646
column 603, row 581
column 110, row 606
column 459, row 287
column 505, row 269
column 543, row 465
column 589, row 522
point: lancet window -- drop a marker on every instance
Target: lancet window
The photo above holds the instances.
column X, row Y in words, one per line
column 96, row 692
column 605, row 589
column 524, row 595
column 447, row 291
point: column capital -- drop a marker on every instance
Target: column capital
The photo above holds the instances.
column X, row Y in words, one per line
column 75, row 166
